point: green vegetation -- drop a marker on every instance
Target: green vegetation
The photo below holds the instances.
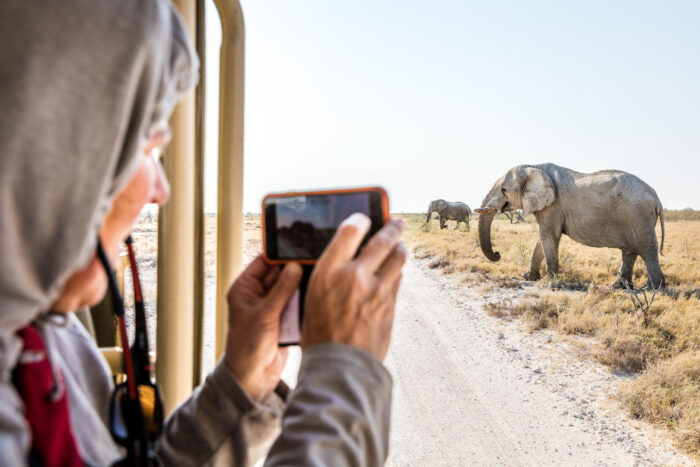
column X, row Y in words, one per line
column 681, row 215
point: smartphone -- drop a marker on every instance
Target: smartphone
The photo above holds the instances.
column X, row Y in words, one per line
column 298, row 226
column 290, row 322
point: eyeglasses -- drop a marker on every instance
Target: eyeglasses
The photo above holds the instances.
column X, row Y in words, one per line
column 136, row 407
column 156, row 154
column 157, row 140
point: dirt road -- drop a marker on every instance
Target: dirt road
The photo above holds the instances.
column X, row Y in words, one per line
column 471, row 390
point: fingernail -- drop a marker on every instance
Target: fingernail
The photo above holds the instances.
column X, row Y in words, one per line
column 359, row 220
column 292, row 270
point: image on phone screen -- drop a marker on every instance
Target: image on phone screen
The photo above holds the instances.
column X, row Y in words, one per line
column 300, row 227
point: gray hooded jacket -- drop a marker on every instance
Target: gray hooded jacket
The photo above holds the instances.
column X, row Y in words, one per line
column 81, row 84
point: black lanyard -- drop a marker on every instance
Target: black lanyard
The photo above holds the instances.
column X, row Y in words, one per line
column 136, row 409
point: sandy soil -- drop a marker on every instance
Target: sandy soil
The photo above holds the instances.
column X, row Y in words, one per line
column 474, row 390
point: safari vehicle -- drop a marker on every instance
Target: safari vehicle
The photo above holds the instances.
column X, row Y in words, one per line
column 180, row 287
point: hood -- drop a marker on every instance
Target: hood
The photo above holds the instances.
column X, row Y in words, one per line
column 81, row 84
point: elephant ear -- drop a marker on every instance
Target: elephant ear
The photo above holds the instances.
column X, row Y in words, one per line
column 538, row 191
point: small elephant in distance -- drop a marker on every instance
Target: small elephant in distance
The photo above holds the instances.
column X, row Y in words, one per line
column 449, row 211
column 515, row 217
column 610, row 208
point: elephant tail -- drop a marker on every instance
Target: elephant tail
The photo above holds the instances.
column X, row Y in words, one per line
column 660, row 213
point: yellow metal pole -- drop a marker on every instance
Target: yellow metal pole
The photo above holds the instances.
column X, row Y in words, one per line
column 229, row 229
column 176, row 265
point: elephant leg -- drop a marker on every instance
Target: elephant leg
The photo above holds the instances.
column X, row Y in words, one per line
column 625, row 275
column 550, row 248
column 656, row 277
column 457, row 224
column 535, row 262
column 443, row 223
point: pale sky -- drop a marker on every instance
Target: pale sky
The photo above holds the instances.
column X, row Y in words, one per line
column 438, row 99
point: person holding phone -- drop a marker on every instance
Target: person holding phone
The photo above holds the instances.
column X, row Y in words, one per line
column 339, row 413
column 85, row 88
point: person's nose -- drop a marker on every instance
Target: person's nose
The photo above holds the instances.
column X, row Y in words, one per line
column 161, row 187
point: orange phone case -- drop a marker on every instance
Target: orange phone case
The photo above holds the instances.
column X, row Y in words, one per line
column 380, row 190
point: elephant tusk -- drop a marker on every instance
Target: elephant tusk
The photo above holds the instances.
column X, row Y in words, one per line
column 482, row 210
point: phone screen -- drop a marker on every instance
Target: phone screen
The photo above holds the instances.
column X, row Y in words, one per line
column 300, row 227
column 290, row 322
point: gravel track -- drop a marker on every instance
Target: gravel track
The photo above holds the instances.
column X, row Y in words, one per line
column 474, row 390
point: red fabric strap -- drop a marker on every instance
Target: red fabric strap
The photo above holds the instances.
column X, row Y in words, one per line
column 45, row 403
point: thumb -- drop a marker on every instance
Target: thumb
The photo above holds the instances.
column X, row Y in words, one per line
column 284, row 287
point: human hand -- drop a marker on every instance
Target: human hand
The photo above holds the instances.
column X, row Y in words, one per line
column 255, row 302
column 351, row 301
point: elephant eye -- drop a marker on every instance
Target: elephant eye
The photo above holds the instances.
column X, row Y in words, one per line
column 503, row 190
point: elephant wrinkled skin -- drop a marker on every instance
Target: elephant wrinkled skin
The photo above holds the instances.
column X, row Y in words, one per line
column 449, row 211
column 609, row 208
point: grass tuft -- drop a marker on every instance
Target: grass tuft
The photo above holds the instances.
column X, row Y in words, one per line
column 667, row 393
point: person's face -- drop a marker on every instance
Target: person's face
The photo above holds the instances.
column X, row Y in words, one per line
column 148, row 185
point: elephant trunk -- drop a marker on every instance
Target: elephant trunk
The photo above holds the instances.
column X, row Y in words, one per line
column 485, row 221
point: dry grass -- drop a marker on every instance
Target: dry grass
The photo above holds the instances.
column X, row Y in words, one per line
column 667, row 393
column 663, row 352
column 579, row 265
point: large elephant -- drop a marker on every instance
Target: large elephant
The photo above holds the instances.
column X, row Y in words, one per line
column 449, row 211
column 610, row 208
